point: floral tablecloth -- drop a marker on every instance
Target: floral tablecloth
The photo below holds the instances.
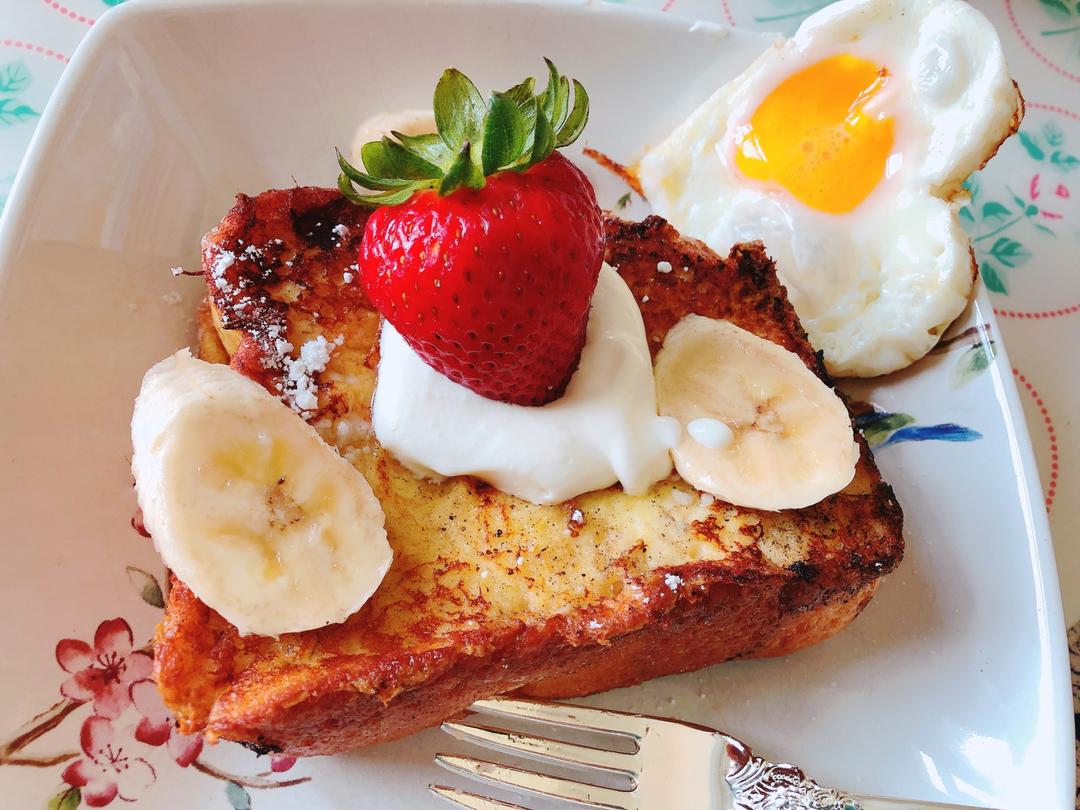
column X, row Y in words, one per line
column 1025, row 216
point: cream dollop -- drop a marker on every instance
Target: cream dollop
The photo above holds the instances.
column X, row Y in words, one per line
column 603, row 430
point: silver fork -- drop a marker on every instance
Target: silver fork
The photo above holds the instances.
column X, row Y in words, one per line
column 669, row 765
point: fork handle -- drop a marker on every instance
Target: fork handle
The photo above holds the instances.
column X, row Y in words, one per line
column 756, row 783
column 881, row 803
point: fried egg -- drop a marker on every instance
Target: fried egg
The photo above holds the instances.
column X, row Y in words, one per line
column 843, row 149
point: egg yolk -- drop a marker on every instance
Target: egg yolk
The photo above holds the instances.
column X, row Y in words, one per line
column 814, row 135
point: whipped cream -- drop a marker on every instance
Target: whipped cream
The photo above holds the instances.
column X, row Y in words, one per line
column 603, row 430
column 710, row 433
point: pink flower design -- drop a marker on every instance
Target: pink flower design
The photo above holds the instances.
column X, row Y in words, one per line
column 1062, row 191
column 280, row 764
column 106, row 771
column 158, row 726
column 1034, row 193
column 104, row 672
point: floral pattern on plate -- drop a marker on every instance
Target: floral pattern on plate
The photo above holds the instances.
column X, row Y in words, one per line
column 1012, row 219
column 14, row 78
column 126, row 734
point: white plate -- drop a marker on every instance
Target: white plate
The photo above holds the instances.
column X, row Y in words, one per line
column 952, row 686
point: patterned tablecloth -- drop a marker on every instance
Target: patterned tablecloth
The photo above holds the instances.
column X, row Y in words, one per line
column 1025, row 216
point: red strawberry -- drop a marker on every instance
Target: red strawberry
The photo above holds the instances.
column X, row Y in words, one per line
column 492, row 287
column 491, row 283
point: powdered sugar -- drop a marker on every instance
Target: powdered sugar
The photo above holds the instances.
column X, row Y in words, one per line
column 673, row 581
column 301, row 389
column 224, row 261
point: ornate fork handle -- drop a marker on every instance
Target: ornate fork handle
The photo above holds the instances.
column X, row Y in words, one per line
column 760, row 785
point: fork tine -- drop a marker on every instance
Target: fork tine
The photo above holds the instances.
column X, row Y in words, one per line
column 566, row 714
column 542, row 748
column 471, row 800
column 540, row 784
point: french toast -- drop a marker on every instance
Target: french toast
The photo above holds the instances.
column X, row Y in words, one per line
column 488, row 593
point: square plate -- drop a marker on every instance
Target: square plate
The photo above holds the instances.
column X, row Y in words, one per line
column 952, row 686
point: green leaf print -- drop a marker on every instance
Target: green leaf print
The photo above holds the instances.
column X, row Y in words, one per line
column 973, row 362
column 992, row 279
column 13, row 77
column 1010, row 252
column 1031, row 145
column 1067, row 12
column 995, row 213
column 147, row 586
column 66, row 799
column 11, row 112
column 1057, row 9
column 1064, row 162
column 1029, row 209
column 1053, row 134
column 239, row 799
column 992, row 223
column 876, row 427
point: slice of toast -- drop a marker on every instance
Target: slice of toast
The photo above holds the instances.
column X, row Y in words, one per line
column 488, row 593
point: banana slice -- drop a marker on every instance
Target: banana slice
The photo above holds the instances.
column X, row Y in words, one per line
column 791, row 441
column 262, row 519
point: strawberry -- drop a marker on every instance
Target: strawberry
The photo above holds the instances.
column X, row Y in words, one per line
column 485, row 245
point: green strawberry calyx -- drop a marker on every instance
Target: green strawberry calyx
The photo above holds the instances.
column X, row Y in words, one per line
column 513, row 131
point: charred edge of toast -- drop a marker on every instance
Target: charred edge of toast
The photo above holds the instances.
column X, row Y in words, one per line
column 293, row 240
column 329, row 704
column 747, row 274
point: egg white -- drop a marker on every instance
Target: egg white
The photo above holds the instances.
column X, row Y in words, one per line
column 874, row 287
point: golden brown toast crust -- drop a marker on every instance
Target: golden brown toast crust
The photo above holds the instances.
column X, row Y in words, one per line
column 487, row 593
column 289, row 265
